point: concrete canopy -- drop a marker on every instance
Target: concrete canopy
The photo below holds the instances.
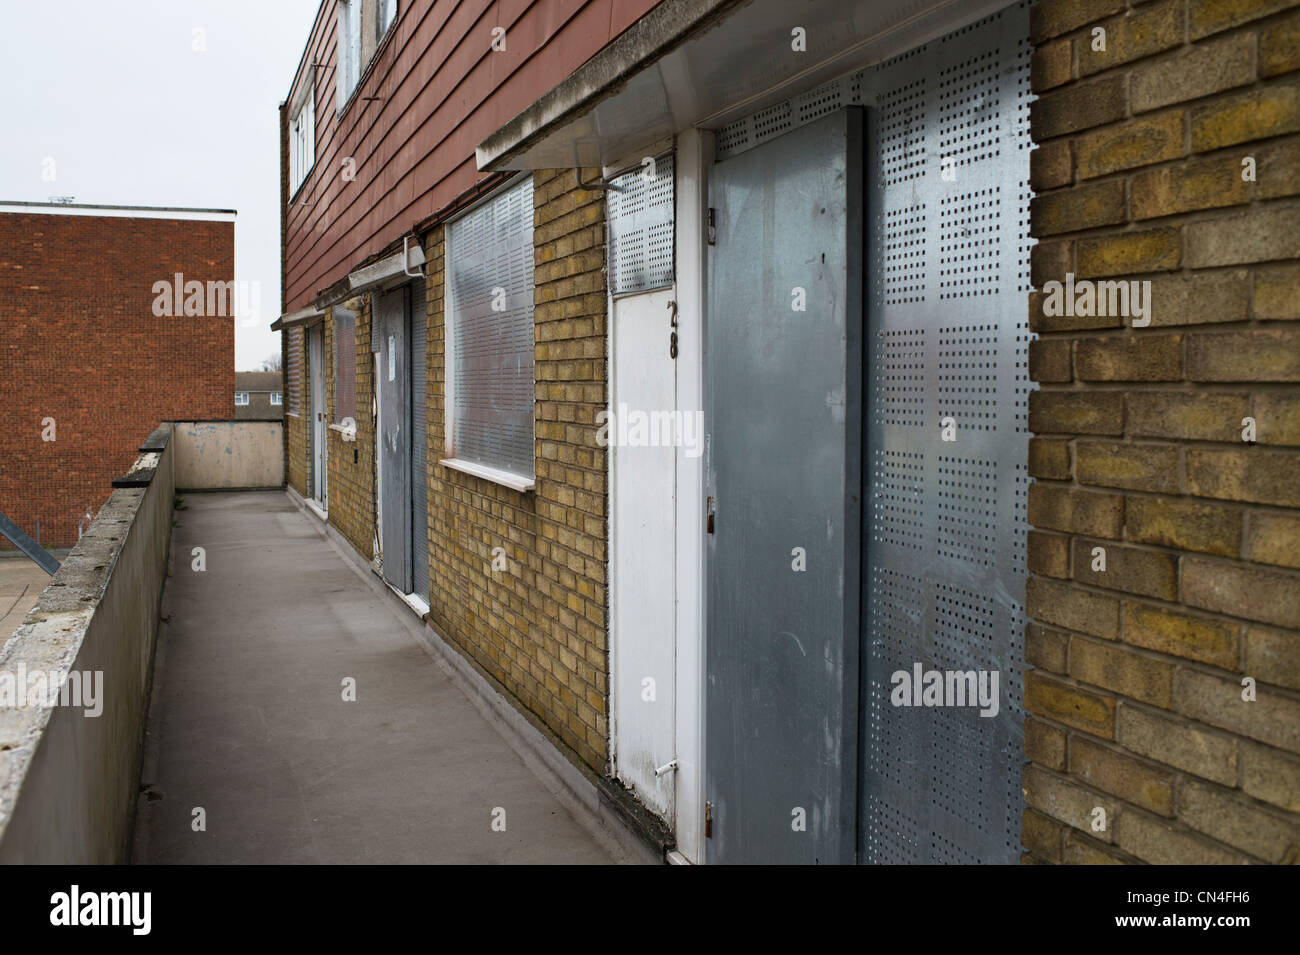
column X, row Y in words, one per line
column 703, row 63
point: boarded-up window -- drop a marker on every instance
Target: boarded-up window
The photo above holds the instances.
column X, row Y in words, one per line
column 345, row 364
column 490, row 333
column 293, row 370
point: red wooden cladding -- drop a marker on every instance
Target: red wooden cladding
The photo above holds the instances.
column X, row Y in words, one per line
column 441, row 90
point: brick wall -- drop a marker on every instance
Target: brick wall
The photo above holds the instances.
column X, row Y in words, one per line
column 539, row 627
column 352, row 463
column 1137, row 695
column 82, row 345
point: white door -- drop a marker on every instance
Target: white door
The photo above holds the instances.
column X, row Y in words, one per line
column 643, row 598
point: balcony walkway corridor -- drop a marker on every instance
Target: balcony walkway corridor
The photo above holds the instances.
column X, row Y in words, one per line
column 248, row 720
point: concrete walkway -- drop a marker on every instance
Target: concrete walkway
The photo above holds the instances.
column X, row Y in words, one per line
column 21, row 583
column 248, row 720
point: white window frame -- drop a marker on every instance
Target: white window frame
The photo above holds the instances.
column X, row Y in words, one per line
column 348, row 49
column 241, row 398
column 302, row 136
column 519, row 482
column 277, row 398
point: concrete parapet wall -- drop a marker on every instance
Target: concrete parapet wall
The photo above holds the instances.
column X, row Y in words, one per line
column 68, row 780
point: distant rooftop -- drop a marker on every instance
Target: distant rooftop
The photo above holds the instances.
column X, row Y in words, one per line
column 136, row 212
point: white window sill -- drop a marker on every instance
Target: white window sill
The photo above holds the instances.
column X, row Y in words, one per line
column 516, row 481
column 349, row 433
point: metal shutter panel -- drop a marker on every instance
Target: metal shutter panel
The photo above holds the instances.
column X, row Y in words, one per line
column 491, row 248
column 945, row 521
column 419, row 444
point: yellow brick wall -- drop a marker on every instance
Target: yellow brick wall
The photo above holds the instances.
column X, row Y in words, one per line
column 540, row 626
column 352, row 463
column 1138, row 451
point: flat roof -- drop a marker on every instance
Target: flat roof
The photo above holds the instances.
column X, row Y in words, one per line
column 142, row 212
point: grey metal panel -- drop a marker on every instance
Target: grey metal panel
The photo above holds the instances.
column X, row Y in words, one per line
column 419, row 443
column 293, row 372
column 778, row 119
column 320, row 470
column 945, row 522
column 641, row 228
column 490, row 275
column 42, row 557
column 395, row 438
column 783, row 466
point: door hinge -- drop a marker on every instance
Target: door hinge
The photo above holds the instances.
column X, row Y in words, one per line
column 708, row 820
column 713, row 230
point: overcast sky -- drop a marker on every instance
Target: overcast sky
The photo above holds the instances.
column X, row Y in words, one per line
column 133, row 114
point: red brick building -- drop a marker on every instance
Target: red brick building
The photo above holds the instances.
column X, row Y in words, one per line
column 97, row 348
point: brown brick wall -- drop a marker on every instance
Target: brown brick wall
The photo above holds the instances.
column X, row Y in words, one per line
column 539, row 627
column 1136, row 696
column 82, row 345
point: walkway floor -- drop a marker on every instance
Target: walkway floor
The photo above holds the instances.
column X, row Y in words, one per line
column 248, row 720
column 21, row 583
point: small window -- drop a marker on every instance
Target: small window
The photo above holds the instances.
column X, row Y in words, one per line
column 302, row 140
column 277, row 398
column 348, row 46
column 241, row 397
column 490, row 339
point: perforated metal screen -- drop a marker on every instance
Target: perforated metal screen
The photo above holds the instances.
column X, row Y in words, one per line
column 947, row 337
column 419, row 441
column 641, row 228
column 345, row 364
column 490, row 321
column 293, row 372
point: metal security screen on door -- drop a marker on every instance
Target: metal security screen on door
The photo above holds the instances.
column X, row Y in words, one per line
column 345, row 364
column 641, row 228
column 489, row 275
column 419, row 442
column 293, row 371
column 944, row 516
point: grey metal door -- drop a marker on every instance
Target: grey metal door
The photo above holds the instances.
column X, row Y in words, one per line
column 783, row 378
column 943, row 581
column 419, row 444
column 395, row 437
